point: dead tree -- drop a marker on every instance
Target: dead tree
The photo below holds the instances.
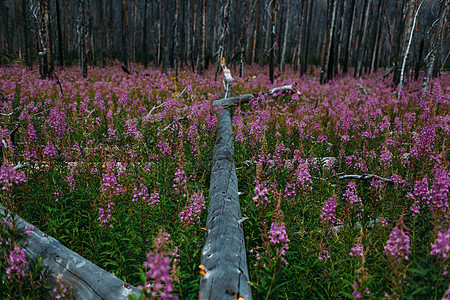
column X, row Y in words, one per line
column 285, row 36
column 362, row 39
column 60, row 39
column 407, row 50
column 272, row 11
column 82, row 36
column 201, row 54
column 39, row 11
column 405, row 30
column 123, row 33
column 436, row 40
column 306, row 34
column 348, row 41
column 223, row 29
column 331, row 16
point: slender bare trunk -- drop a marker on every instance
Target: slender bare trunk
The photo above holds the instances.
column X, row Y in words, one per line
column 405, row 56
column 349, row 37
column 329, row 39
column 286, row 30
column 362, row 39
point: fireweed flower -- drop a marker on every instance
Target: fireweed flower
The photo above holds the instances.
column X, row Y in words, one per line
column 441, row 247
column 110, row 189
column 397, row 245
column 180, row 180
column 329, row 210
column 17, row 263
column 140, row 192
column 49, row 151
column 439, row 190
column 261, row 193
column 323, row 254
column 357, row 250
column 9, row 176
column 353, row 199
column 60, row 290
column 159, row 273
column 279, row 238
column 385, row 158
column 191, row 213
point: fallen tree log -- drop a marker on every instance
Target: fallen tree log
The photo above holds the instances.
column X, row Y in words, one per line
column 223, row 257
column 228, row 101
column 83, row 279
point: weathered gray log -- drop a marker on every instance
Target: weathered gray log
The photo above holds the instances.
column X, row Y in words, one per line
column 223, row 256
column 83, row 279
column 365, row 177
column 233, row 100
column 228, row 101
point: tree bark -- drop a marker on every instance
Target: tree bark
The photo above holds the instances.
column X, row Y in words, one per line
column 201, row 55
column 331, row 16
column 273, row 8
column 348, row 41
column 123, row 33
column 26, row 28
column 60, row 43
column 405, row 29
column 405, row 56
column 222, row 35
column 362, row 39
column 176, row 37
column 435, row 42
column 307, row 34
column 286, row 31
column 376, row 41
column 144, row 36
column 81, row 29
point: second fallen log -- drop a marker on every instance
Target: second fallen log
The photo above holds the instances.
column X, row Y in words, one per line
column 223, row 257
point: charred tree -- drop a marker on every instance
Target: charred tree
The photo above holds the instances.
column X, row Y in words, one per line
column 307, row 34
column 285, row 35
column 82, row 37
column 60, row 41
column 436, row 39
column 348, row 41
column 123, row 34
column 404, row 32
column 331, row 16
column 362, row 39
column 144, row 36
column 39, row 11
column 26, row 28
column 202, row 36
column 222, row 32
column 273, row 6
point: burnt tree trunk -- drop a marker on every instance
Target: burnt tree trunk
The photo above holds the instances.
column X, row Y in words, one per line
column 202, row 35
column 405, row 29
column 273, row 16
column 331, row 16
column 81, row 29
column 144, row 36
column 26, row 28
column 348, row 41
column 362, row 39
column 307, row 36
column 285, row 35
column 378, row 22
column 123, row 34
column 223, row 29
column 60, row 38
column 435, row 43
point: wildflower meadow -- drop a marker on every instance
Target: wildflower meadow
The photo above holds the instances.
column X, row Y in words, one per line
column 343, row 187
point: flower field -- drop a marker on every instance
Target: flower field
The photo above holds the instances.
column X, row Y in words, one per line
column 344, row 186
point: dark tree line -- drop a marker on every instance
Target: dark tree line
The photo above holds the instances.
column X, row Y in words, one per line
column 405, row 35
